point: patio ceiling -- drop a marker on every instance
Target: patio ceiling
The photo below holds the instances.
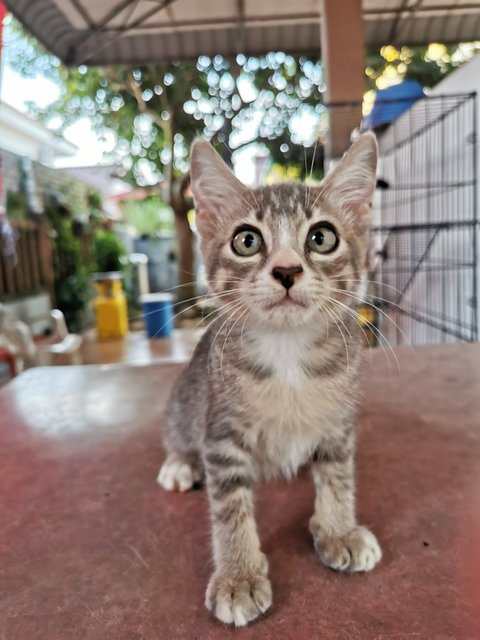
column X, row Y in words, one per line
column 103, row 32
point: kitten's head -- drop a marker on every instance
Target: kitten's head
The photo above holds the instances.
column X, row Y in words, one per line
column 286, row 251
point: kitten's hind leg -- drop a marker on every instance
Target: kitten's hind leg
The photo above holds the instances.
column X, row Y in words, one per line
column 180, row 472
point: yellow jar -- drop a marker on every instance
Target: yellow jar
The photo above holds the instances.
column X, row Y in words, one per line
column 110, row 306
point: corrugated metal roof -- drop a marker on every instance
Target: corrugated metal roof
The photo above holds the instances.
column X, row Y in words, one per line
column 137, row 31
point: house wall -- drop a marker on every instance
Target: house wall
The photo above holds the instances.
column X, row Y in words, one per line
column 24, row 145
column 25, row 136
column 47, row 180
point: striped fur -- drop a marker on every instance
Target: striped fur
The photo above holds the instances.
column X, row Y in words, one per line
column 272, row 384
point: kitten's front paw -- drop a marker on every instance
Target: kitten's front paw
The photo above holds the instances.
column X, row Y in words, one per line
column 358, row 550
column 178, row 473
column 238, row 600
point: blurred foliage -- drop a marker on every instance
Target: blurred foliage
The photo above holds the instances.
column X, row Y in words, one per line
column 151, row 113
column 155, row 111
column 107, row 252
column 427, row 65
column 72, row 282
column 304, row 163
column 149, row 216
column 82, row 246
column 95, row 204
column 17, row 205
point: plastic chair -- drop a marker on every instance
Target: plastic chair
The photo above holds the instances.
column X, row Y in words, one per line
column 64, row 343
column 19, row 339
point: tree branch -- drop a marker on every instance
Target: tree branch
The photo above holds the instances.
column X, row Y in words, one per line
column 135, row 91
column 165, row 125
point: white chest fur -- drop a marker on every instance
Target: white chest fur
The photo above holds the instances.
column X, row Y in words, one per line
column 283, row 353
column 292, row 411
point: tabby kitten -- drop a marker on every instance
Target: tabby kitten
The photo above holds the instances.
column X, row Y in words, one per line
column 272, row 384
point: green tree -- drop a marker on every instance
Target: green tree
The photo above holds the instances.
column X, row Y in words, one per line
column 156, row 110
column 428, row 64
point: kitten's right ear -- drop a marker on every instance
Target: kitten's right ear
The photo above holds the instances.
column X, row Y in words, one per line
column 217, row 193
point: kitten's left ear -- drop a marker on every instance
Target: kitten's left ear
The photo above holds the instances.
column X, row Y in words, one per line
column 216, row 191
column 350, row 185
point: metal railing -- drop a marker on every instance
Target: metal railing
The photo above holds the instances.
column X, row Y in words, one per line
column 424, row 258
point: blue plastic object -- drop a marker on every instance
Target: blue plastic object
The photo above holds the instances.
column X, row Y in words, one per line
column 158, row 314
column 390, row 103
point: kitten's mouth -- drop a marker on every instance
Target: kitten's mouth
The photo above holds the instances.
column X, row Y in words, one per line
column 286, row 301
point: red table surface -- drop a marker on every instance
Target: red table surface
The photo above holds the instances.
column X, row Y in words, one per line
column 91, row 548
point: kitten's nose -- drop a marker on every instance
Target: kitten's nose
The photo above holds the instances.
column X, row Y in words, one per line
column 286, row 275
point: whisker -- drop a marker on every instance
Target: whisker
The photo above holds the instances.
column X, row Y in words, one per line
column 354, row 316
column 243, row 327
column 351, row 295
column 222, row 311
column 333, row 316
column 313, row 157
column 228, row 313
column 382, row 284
column 253, row 195
column 368, row 300
column 176, row 304
column 246, row 202
column 311, row 169
column 316, row 199
column 328, row 298
column 349, row 310
column 175, row 316
column 203, row 318
column 379, row 342
column 172, row 319
column 232, row 308
column 306, row 170
column 242, row 313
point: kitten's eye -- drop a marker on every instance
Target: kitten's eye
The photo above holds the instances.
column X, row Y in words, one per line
column 322, row 238
column 247, row 242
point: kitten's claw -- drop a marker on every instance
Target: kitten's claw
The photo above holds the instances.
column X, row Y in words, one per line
column 358, row 550
column 178, row 474
column 238, row 600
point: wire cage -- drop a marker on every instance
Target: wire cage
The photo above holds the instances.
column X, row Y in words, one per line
column 423, row 264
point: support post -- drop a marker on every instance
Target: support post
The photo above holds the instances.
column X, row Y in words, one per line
column 343, row 54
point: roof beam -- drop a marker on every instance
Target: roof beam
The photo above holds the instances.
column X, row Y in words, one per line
column 291, row 19
column 162, row 4
column 240, row 35
column 80, row 9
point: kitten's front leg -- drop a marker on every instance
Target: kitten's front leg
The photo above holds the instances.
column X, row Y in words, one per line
column 340, row 543
column 239, row 590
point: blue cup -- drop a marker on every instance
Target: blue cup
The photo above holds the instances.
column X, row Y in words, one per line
column 158, row 314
